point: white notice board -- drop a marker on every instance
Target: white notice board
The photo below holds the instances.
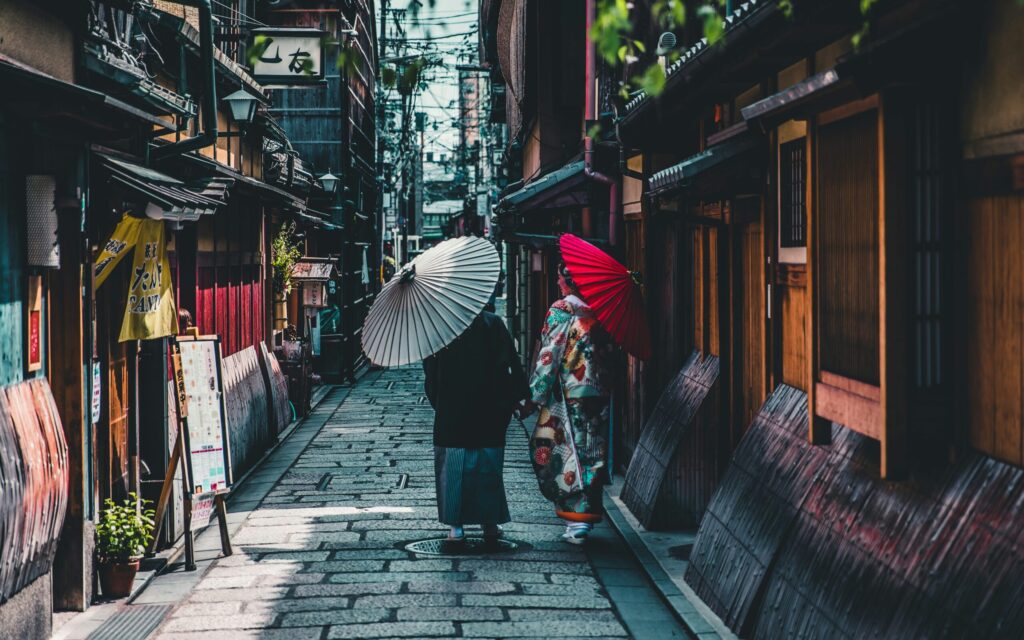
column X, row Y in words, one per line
column 200, row 390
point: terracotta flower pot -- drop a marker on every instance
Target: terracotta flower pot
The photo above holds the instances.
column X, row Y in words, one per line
column 116, row 578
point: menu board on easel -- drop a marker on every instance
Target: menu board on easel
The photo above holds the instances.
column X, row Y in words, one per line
column 201, row 397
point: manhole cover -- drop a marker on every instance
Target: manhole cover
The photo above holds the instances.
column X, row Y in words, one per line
column 470, row 547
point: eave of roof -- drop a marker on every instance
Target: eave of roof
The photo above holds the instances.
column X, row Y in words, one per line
column 742, row 20
column 542, row 186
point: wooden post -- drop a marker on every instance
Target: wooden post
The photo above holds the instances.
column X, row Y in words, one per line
column 894, row 291
column 165, row 490
column 819, row 430
column 222, row 516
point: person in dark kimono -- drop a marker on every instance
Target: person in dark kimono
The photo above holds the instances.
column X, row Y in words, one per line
column 473, row 384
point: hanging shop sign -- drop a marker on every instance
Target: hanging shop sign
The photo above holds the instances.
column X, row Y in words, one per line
column 97, row 392
column 121, row 241
column 314, row 294
column 150, row 311
column 34, row 335
column 288, row 57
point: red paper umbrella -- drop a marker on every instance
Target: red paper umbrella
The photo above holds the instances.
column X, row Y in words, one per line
column 612, row 291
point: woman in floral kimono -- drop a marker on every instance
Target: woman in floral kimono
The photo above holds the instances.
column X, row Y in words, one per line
column 570, row 386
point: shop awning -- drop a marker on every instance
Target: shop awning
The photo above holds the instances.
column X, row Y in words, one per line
column 556, row 189
column 681, row 175
column 43, row 97
column 279, row 197
column 787, row 103
column 167, row 198
column 310, row 269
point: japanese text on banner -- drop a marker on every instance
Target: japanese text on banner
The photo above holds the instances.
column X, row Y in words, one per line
column 150, row 312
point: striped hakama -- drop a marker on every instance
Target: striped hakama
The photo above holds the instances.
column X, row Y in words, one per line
column 470, row 488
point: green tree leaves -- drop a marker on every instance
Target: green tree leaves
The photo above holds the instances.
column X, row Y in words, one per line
column 614, row 37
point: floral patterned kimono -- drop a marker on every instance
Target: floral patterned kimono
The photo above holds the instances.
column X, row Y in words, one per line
column 570, row 442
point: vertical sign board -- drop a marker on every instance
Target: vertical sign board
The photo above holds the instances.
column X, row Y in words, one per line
column 97, row 392
column 200, row 383
column 34, row 335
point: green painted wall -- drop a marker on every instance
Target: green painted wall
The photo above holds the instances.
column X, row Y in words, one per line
column 13, row 271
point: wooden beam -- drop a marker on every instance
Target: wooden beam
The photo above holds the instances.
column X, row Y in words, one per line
column 894, row 290
column 856, row 387
column 833, row 404
column 72, row 571
column 819, row 429
column 850, row 109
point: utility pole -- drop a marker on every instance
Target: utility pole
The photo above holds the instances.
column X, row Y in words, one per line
column 381, row 132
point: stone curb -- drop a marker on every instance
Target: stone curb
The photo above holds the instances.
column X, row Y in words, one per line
column 685, row 607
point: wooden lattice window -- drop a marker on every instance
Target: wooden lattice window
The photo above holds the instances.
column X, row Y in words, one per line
column 847, row 247
column 927, row 200
column 792, row 194
column 791, row 184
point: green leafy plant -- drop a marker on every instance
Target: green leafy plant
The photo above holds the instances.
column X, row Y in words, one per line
column 613, row 36
column 124, row 530
column 284, row 253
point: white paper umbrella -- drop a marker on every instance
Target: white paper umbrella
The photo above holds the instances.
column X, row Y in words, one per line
column 431, row 301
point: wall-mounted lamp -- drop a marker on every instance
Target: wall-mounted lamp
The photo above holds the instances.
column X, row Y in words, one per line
column 242, row 105
column 330, row 182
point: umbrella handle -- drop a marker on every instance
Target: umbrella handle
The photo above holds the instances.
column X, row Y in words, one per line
column 407, row 274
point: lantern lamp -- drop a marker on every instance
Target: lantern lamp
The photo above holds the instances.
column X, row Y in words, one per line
column 330, row 182
column 242, row 105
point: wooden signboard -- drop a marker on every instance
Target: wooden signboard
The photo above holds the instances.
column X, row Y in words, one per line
column 200, row 390
column 202, row 442
column 34, row 334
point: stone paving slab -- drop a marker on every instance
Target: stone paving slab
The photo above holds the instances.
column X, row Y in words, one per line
column 322, row 554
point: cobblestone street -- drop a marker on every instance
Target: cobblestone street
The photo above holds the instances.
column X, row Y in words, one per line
column 321, row 554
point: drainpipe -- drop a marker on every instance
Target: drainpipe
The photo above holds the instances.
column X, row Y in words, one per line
column 590, row 107
column 613, row 189
column 209, row 135
column 624, row 169
column 590, row 114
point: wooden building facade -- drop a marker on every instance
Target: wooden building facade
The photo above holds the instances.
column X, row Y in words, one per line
column 827, row 234
column 110, row 110
column 333, row 129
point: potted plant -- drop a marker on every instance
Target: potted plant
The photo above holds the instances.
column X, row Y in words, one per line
column 284, row 253
column 122, row 535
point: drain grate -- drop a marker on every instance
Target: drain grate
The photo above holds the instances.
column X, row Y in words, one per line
column 403, row 481
column 470, row 547
column 133, row 622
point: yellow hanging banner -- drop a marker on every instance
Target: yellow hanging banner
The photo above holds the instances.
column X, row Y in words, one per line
column 120, row 243
column 150, row 312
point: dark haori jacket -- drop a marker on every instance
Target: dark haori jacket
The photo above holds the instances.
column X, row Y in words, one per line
column 474, row 384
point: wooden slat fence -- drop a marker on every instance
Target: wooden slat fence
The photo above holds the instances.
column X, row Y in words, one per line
column 277, row 385
column 808, row 541
column 33, row 483
column 677, row 463
column 246, row 401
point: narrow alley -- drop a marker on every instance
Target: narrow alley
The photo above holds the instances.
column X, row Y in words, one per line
column 321, row 553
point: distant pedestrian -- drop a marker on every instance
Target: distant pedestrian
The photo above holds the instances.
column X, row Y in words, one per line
column 569, row 384
column 474, row 384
